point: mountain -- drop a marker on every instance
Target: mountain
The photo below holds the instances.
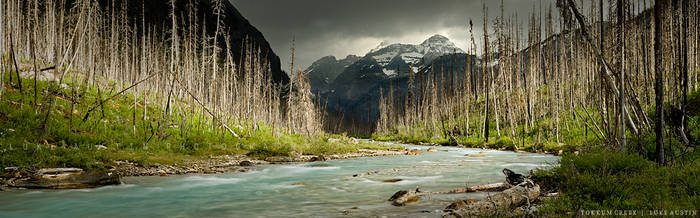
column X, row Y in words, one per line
column 324, row 71
column 159, row 21
column 396, row 58
column 356, row 89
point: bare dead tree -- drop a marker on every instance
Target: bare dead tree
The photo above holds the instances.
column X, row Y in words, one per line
column 659, row 89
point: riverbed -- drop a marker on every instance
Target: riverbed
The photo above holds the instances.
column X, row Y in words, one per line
column 337, row 188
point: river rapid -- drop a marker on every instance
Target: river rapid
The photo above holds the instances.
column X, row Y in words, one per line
column 337, row 188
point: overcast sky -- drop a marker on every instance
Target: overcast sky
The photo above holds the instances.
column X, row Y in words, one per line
column 343, row 27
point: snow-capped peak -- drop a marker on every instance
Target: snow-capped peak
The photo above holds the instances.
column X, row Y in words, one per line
column 433, row 47
column 381, row 45
column 437, row 38
column 439, row 45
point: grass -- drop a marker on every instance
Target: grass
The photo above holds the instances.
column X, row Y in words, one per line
column 70, row 142
column 602, row 178
column 540, row 139
column 609, row 180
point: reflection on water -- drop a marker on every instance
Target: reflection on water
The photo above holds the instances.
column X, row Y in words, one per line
column 337, row 188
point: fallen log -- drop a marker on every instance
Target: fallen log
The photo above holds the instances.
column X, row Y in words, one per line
column 404, row 197
column 63, row 178
column 495, row 187
column 492, row 205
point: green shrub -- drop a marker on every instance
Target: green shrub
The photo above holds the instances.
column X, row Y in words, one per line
column 610, row 180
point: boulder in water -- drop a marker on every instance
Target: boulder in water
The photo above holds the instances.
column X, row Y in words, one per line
column 413, row 151
column 432, row 150
column 404, row 197
column 317, row 158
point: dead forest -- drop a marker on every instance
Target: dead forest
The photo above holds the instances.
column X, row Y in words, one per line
column 571, row 73
column 186, row 73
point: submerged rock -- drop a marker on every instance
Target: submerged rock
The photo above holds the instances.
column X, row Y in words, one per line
column 392, row 180
column 474, row 155
column 299, row 184
column 319, row 165
column 432, row 150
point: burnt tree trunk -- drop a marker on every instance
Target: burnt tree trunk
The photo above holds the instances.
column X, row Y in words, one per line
column 658, row 85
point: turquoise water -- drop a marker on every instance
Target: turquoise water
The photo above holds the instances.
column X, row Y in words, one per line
column 321, row 189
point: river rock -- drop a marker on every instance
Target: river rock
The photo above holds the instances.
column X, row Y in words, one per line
column 432, row 149
column 279, row 159
column 162, row 173
column 413, row 151
column 404, row 197
column 317, row 158
column 245, row 163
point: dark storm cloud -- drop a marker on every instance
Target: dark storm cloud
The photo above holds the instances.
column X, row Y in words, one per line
column 342, row 27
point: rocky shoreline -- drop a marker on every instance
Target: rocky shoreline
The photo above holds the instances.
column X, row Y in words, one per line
column 69, row 178
column 238, row 163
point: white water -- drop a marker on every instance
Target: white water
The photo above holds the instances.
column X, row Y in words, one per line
column 321, row 189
